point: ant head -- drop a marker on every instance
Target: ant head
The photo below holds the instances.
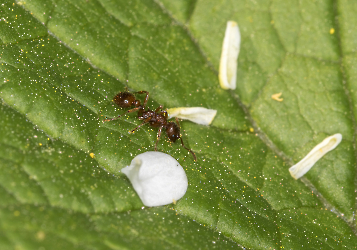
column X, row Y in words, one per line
column 172, row 131
column 125, row 100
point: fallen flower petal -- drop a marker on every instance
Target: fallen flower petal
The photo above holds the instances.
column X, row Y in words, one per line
column 197, row 115
column 230, row 51
column 276, row 97
column 157, row 178
column 303, row 166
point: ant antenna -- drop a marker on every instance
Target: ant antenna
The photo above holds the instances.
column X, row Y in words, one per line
column 193, row 154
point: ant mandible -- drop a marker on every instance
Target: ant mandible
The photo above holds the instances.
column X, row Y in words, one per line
column 157, row 118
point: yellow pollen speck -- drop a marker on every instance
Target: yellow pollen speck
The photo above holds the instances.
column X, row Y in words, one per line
column 91, row 155
column 174, row 201
column 40, row 144
column 251, row 130
column 276, row 97
column 16, row 213
column 332, row 31
column 40, row 235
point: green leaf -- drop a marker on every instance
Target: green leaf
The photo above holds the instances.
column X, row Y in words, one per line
column 62, row 62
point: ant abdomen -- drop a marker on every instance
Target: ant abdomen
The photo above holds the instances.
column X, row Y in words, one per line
column 126, row 100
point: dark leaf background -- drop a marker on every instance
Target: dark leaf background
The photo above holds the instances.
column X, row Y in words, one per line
column 63, row 61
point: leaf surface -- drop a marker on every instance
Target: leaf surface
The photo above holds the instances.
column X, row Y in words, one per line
column 62, row 62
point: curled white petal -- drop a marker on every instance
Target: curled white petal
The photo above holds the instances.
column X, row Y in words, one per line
column 197, row 115
column 301, row 168
column 157, row 178
column 229, row 56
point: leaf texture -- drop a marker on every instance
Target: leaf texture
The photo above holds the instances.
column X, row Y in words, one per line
column 62, row 62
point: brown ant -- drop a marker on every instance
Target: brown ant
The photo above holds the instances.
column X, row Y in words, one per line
column 157, row 118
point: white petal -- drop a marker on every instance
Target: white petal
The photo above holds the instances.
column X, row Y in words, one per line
column 157, row 178
column 229, row 56
column 198, row 115
column 301, row 168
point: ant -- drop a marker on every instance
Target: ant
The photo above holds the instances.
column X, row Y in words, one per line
column 157, row 118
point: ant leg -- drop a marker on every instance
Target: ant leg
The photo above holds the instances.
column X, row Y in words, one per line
column 162, row 112
column 146, row 97
column 158, row 108
column 145, row 121
column 177, row 122
column 193, row 154
column 127, row 112
column 158, row 137
column 166, row 115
